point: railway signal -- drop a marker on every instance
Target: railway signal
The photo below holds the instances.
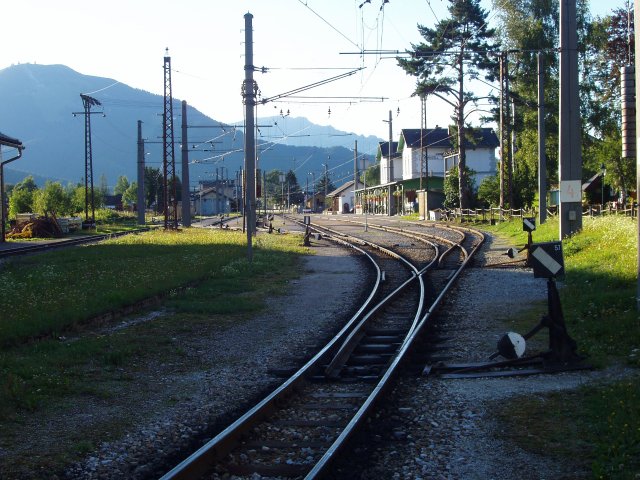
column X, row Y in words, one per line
column 547, row 260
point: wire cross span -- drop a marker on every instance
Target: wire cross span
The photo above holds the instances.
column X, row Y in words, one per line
column 310, row 86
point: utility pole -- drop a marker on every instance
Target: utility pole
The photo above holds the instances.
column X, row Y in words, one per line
column 637, row 42
column 502, row 155
column 355, row 173
column 186, row 197
column 542, row 157
column 168, row 158
column 424, row 154
column 326, row 180
column 89, row 196
column 249, row 90
column 570, row 171
column 141, row 202
column 390, row 168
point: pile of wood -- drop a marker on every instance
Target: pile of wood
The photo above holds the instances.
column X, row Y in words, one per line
column 42, row 227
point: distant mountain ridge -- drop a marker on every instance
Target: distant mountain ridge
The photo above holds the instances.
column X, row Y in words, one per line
column 37, row 104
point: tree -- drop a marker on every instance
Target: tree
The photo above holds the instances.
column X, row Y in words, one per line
column 458, row 48
column 153, row 187
column 21, row 198
column 489, row 191
column 121, row 185
column 526, row 28
column 52, row 200
column 76, row 197
column 606, row 51
column 452, row 187
column 130, row 195
column 296, row 196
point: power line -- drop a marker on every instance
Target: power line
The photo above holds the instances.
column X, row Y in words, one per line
column 328, row 23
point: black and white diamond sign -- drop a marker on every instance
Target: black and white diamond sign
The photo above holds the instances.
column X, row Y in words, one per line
column 529, row 224
column 547, row 260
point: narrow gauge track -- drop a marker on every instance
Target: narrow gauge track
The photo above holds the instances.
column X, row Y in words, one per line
column 70, row 242
column 301, row 428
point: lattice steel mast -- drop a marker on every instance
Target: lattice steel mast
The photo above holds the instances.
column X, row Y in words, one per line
column 89, row 196
column 170, row 200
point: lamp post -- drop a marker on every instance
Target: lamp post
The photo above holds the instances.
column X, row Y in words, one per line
column 603, row 171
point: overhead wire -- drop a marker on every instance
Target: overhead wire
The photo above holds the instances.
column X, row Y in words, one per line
column 328, row 23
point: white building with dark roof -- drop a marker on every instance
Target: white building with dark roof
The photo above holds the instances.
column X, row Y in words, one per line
column 437, row 144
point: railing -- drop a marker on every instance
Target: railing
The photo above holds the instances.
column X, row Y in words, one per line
column 493, row 215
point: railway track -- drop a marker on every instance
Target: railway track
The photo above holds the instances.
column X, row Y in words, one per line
column 300, row 429
column 64, row 243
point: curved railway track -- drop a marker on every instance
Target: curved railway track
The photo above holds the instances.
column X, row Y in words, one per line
column 300, row 429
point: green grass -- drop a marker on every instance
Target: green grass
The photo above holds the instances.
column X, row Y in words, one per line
column 599, row 289
column 208, row 286
column 599, row 424
column 46, row 294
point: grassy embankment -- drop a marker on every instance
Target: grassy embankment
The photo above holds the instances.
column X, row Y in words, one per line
column 50, row 353
column 600, row 424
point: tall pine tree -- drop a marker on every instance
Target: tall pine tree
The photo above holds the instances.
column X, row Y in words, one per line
column 457, row 49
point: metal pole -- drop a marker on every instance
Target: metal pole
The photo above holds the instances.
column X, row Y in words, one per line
column 542, row 157
column 355, row 173
column 570, row 171
column 637, row 38
column 141, row 202
column 186, row 198
column 502, row 121
column 326, row 181
column 366, row 202
column 391, row 173
column 249, row 92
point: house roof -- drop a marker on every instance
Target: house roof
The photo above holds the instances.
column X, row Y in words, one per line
column 443, row 138
column 384, row 148
column 9, row 141
column 338, row 191
column 594, row 182
column 207, row 191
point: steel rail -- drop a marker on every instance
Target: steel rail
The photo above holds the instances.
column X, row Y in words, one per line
column 321, row 468
column 45, row 247
column 200, row 461
column 216, row 449
column 358, row 333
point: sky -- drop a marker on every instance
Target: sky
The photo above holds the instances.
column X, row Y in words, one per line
column 300, row 42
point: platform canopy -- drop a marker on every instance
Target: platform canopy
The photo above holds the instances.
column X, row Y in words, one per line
column 9, row 141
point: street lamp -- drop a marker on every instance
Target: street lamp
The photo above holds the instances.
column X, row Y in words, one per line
column 603, row 172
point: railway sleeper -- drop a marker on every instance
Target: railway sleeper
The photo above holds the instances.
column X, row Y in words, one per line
column 355, row 360
column 378, row 332
column 377, row 348
column 385, row 339
column 270, row 444
column 282, row 470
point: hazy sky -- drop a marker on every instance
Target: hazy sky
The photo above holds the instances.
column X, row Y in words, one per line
column 126, row 39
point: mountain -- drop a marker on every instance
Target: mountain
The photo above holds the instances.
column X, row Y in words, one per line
column 41, row 106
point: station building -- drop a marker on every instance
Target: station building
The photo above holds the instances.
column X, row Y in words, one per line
column 413, row 169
